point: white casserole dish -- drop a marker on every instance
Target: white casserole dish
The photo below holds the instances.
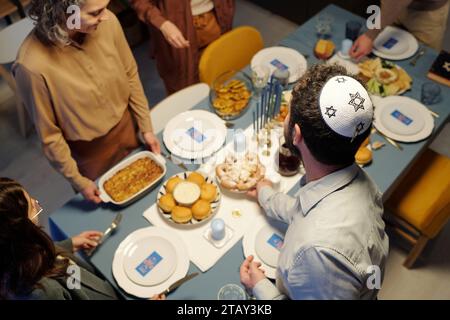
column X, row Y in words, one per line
column 159, row 160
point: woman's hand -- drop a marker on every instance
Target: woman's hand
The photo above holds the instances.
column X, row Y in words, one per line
column 152, row 141
column 86, row 240
column 251, row 273
column 173, row 35
column 361, row 48
column 91, row 193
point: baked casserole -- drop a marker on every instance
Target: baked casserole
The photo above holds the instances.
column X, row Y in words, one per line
column 133, row 178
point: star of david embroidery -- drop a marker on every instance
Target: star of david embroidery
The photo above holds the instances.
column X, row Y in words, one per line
column 359, row 127
column 331, row 112
column 341, row 80
column 446, row 66
column 357, row 101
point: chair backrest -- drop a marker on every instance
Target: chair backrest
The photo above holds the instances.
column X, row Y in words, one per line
column 232, row 51
column 177, row 102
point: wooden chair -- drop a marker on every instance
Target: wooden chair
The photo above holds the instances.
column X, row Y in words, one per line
column 8, row 7
column 232, row 51
column 420, row 205
column 11, row 39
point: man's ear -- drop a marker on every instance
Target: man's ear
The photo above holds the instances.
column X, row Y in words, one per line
column 297, row 135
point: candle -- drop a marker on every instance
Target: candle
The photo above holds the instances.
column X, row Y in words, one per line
column 217, row 229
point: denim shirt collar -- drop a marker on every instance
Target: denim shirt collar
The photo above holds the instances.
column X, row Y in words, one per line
column 312, row 193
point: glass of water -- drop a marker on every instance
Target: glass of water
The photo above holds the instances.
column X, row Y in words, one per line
column 260, row 77
column 431, row 93
column 323, row 25
column 232, row 292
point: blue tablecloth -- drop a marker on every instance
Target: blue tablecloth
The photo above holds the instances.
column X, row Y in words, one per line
column 389, row 164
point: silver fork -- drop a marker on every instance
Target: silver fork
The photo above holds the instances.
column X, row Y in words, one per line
column 114, row 224
column 417, row 57
column 181, row 165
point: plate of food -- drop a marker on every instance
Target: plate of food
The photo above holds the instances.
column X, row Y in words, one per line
column 188, row 198
column 131, row 178
column 240, row 174
column 230, row 95
column 384, row 78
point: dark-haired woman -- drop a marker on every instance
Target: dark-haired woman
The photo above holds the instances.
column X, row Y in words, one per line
column 31, row 265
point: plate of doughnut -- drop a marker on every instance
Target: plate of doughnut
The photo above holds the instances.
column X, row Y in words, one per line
column 240, row 174
column 188, row 199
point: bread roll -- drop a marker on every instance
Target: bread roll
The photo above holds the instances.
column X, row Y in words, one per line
column 208, row 192
column 363, row 156
column 196, row 178
column 167, row 203
column 181, row 214
column 201, row 209
column 172, row 183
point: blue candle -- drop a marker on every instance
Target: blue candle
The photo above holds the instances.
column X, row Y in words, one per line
column 217, row 229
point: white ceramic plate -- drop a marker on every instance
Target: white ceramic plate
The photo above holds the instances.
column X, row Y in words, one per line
column 395, row 44
column 346, row 63
column 403, row 119
column 149, row 260
column 256, row 242
column 193, row 223
column 194, row 134
column 146, row 291
column 159, row 160
column 282, row 56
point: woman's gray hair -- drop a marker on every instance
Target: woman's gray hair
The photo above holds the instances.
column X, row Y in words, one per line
column 51, row 20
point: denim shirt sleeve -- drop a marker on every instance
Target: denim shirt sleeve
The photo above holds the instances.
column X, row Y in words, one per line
column 266, row 290
column 277, row 205
column 321, row 273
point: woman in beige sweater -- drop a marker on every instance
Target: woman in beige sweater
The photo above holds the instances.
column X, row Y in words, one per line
column 82, row 89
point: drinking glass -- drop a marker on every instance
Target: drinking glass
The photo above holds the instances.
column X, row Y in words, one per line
column 260, row 76
column 288, row 163
column 431, row 93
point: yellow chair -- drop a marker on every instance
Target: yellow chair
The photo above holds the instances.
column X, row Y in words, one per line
column 421, row 203
column 232, row 51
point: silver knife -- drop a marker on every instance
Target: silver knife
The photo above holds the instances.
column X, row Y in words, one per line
column 178, row 283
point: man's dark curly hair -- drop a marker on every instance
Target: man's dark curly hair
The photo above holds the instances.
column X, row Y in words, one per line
column 327, row 146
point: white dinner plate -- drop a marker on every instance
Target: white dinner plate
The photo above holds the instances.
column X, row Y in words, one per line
column 194, row 134
column 149, row 260
column 403, row 119
column 140, row 245
column 264, row 241
column 282, row 57
column 395, row 44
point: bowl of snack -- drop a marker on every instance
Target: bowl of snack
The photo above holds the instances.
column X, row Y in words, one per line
column 384, row 78
column 230, row 94
column 188, row 198
column 240, row 174
column 131, row 178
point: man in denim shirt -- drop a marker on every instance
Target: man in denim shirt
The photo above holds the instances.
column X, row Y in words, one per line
column 335, row 246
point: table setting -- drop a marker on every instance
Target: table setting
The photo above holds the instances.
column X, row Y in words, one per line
column 195, row 209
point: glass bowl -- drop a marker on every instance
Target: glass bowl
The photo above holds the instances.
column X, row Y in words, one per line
column 230, row 94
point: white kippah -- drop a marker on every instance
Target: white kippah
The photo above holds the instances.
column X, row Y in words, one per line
column 346, row 106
